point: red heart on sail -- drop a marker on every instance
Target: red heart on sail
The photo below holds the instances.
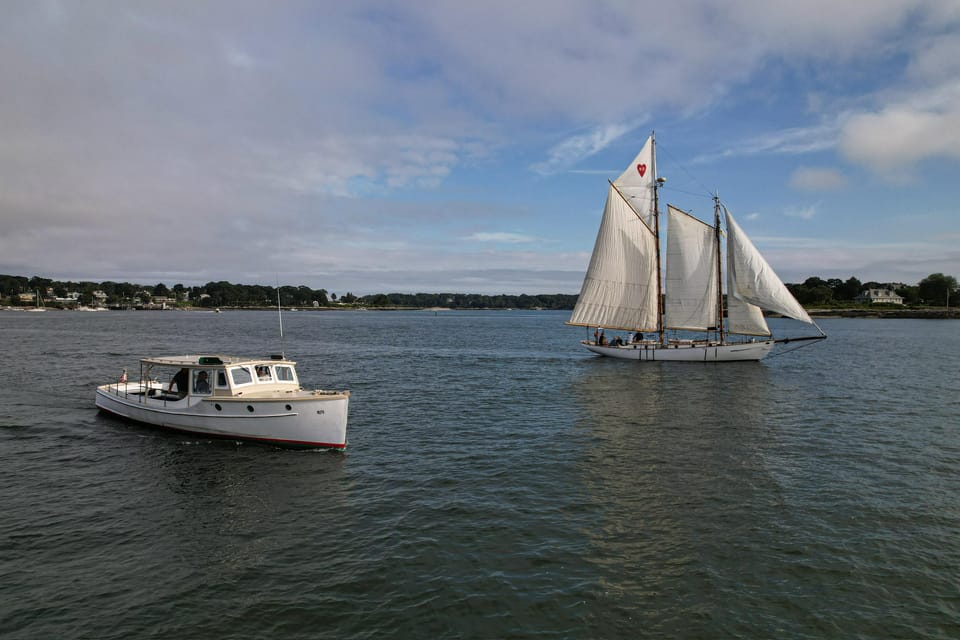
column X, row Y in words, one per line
column 641, row 169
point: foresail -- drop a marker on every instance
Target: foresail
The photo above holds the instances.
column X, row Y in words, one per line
column 742, row 317
column 753, row 281
column 620, row 288
column 691, row 279
column 636, row 183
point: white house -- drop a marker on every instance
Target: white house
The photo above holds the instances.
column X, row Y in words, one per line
column 872, row 296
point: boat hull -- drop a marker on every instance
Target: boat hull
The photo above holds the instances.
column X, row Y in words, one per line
column 306, row 419
column 685, row 352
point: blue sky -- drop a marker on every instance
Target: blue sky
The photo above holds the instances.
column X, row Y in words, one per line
column 442, row 145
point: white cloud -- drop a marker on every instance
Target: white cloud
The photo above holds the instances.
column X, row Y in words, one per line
column 936, row 60
column 893, row 140
column 914, row 120
column 576, row 148
column 817, row 179
column 794, row 141
column 804, row 213
column 503, row 237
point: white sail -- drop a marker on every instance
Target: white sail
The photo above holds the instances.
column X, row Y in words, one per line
column 691, row 279
column 636, row 183
column 742, row 317
column 620, row 288
column 753, row 281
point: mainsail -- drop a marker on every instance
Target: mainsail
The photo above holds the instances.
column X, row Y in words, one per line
column 691, row 279
column 620, row 288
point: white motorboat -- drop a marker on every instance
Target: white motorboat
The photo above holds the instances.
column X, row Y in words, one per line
column 229, row 397
column 624, row 289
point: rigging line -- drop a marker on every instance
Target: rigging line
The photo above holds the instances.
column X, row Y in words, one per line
column 786, row 351
column 631, row 207
column 708, row 193
column 685, row 192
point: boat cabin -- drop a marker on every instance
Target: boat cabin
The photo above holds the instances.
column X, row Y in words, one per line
column 218, row 376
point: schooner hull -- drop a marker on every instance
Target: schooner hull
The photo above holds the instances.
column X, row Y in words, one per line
column 685, row 352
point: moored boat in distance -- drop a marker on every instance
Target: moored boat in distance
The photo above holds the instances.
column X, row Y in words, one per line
column 623, row 288
column 229, row 397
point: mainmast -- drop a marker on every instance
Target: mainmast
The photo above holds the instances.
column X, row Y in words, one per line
column 657, row 183
column 716, row 231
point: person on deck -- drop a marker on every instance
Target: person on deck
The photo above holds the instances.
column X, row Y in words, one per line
column 181, row 381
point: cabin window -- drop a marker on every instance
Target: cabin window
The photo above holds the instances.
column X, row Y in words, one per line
column 263, row 373
column 201, row 382
column 284, row 373
column 222, row 379
column 241, row 375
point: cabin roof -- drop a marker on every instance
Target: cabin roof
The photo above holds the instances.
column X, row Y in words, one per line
column 206, row 361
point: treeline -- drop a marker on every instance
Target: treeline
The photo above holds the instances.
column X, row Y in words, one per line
column 226, row 294
column 471, row 301
column 212, row 294
column 936, row 290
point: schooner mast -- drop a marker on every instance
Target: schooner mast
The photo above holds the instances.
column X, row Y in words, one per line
column 657, row 183
column 716, row 232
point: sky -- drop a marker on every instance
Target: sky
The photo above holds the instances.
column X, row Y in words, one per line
column 449, row 146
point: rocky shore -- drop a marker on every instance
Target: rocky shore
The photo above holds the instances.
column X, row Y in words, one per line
column 941, row 313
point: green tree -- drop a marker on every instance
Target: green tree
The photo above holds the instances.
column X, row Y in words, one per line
column 937, row 289
column 849, row 289
column 910, row 294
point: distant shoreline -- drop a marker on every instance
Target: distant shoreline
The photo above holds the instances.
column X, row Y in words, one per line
column 886, row 313
column 921, row 314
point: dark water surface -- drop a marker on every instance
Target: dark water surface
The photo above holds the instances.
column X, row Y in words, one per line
column 500, row 482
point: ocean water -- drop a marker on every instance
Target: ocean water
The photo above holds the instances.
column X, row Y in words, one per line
column 500, row 482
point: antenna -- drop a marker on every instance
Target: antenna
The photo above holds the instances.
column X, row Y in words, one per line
column 280, row 317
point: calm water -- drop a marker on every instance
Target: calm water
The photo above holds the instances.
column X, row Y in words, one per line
column 499, row 483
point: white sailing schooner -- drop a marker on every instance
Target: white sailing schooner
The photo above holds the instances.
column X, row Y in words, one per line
column 622, row 288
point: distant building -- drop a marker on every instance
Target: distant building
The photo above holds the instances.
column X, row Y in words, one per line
column 876, row 296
